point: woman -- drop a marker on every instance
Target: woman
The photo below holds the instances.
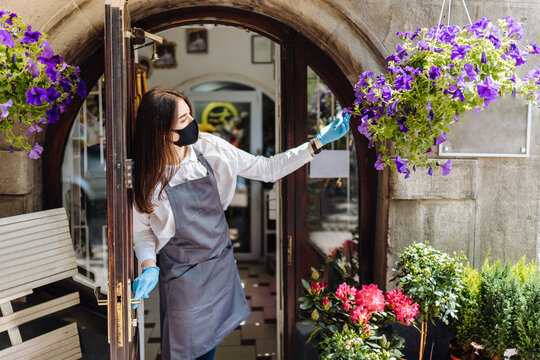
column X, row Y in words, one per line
column 183, row 182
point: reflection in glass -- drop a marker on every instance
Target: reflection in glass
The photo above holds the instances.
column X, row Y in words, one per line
column 84, row 191
column 332, row 216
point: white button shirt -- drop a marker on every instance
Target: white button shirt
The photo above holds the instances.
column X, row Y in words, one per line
column 152, row 231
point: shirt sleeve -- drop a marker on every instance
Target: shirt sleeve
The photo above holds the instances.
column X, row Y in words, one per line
column 144, row 240
column 267, row 169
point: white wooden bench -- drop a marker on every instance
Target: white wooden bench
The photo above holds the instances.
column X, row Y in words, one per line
column 35, row 250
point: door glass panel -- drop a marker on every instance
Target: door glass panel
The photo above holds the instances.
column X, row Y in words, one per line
column 84, row 190
column 332, row 202
column 231, row 121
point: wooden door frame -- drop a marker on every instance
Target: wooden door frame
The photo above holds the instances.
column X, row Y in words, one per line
column 296, row 50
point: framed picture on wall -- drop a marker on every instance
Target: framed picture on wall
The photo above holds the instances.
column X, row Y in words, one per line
column 167, row 55
column 261, row 50
column 197, row 41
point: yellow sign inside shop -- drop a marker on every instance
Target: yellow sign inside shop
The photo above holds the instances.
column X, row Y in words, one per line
column 218, row 113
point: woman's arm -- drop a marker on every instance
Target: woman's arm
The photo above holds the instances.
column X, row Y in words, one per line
column 144, row 240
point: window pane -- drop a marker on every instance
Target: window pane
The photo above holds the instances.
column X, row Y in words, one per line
column 84, row 189
column 332, row 202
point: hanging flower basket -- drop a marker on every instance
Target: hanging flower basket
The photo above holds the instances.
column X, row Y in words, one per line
column 36, row 85
column 435, row 75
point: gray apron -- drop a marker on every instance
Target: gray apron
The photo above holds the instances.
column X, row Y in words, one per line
column 201, row 297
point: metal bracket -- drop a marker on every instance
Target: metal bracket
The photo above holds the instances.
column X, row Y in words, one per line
column 128, row 173
column 139, row 36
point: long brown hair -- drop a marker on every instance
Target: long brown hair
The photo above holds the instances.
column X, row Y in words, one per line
column 152, row 149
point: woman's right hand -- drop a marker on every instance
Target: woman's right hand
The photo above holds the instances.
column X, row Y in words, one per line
column 145, row 283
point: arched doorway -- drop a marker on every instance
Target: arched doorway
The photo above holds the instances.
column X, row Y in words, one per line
column 297, row 54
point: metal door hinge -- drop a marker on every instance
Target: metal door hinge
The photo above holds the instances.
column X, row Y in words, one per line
column 128, row 173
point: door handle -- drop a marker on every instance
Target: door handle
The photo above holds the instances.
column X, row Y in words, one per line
column 104, row 301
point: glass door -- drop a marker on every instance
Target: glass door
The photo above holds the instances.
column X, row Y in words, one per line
column 236, row 116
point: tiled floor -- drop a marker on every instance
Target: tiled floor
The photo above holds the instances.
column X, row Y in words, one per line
column 253, row 340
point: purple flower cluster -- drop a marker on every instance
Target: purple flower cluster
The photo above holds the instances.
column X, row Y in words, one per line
column 429, row 75
column 54, row 81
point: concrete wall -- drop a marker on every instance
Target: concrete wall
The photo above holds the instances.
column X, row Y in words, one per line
column 486, row 204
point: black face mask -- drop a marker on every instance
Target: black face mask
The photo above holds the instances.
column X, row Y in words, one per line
column 188, row 135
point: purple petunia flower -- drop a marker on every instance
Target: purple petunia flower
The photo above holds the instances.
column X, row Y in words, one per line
column 401, row 52
column 363, row 78
column 514, row 28
column 481, row 24
column 346, row 110
column 460, row 52
column 483, row 58
column 430, row 171
column 4, row 108
column 381, row 80
column 378, row 164
column 395, row 70
column 446, row 167
column 53, row 115
column 30, row 36
column 35, row 151
column 52, row 95
column 488, row 90
column 51, row 64
column 534, row 49
column 32, row 68
column 401, row 165
column 517, row 54
column 392, row 109
column 33, row 128
column 35, row 95
column 423, row 45
column 386, row 92
column 393, row 58
column 440, row 139
column 404, row 34
column 495, row 41
column 469, row 71
column 434, row 72
column 47, row 50
column 449, row 34
column 6, row 39
column 401, row 123
column 455, row 91
column 428, row 106
column 403, row 82
column 372, row 97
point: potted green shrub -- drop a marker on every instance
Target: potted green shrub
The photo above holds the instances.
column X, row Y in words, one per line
column 499, row 311
column 434, row 280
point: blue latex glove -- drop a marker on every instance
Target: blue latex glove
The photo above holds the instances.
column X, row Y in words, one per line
column 335, row 130
column 145, row 283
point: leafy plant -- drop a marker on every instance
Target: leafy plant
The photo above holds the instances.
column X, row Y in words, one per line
column 435, row 75
column 349, row 345
column 499, row 299
column 36, row 85
column 528, row 314
column 434, row 280
column 465, row 324
column 349, row 313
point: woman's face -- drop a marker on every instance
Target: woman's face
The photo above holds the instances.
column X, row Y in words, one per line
column 183, row 118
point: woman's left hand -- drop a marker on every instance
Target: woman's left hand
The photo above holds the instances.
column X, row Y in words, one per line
column 335, row 130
